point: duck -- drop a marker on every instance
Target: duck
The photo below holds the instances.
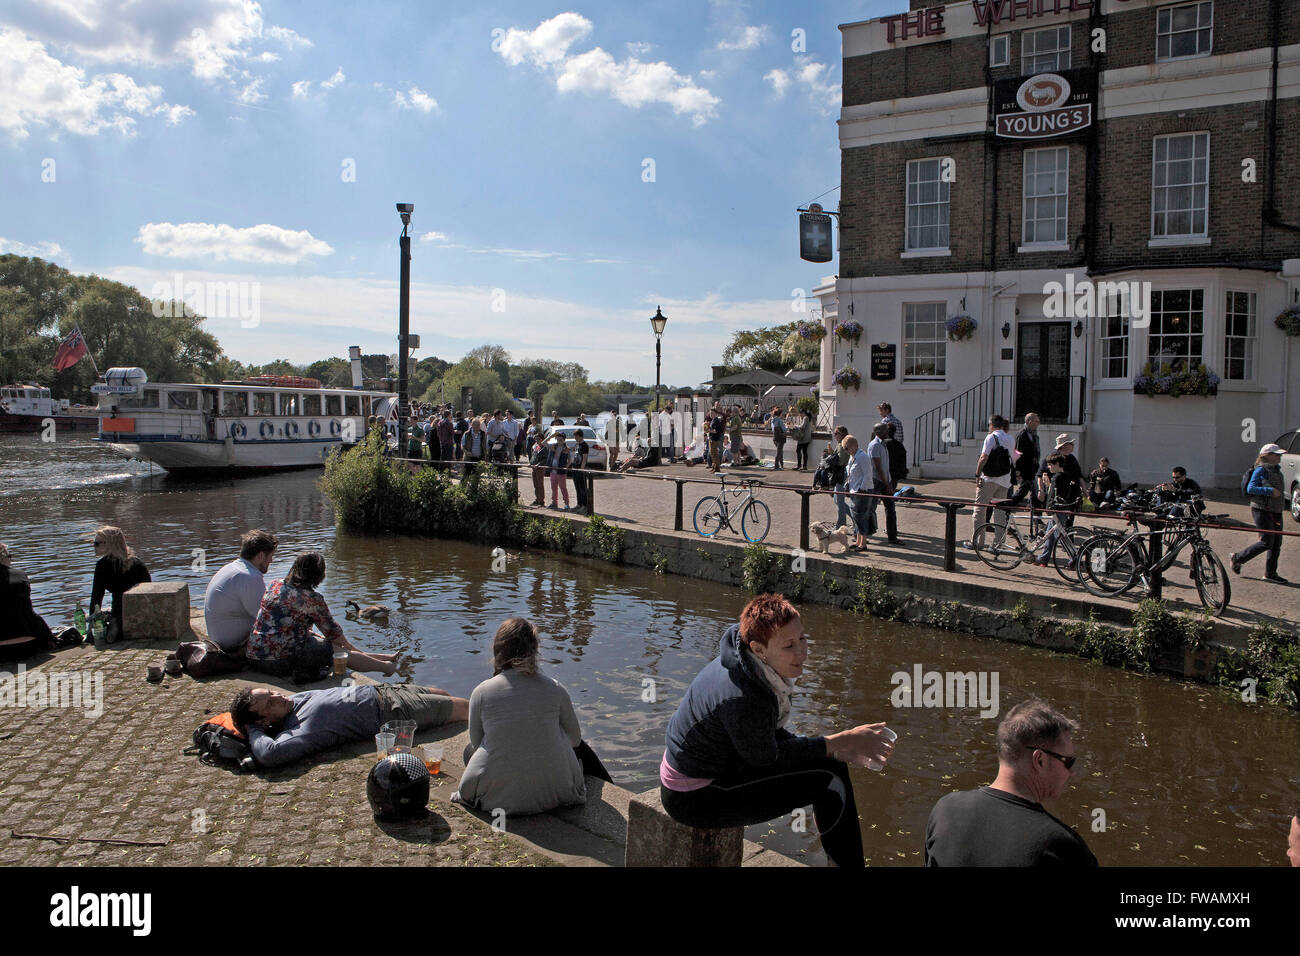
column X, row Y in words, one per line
column 374, row 613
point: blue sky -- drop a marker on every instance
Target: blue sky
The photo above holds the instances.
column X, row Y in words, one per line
column 217, row 141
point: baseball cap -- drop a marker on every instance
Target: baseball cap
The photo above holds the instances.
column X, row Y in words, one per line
column 1272, row 449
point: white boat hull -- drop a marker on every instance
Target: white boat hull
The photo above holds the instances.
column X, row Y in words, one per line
column 219, row 456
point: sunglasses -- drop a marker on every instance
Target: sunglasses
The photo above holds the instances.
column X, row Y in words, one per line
column 1068, row 762
column 99, row 541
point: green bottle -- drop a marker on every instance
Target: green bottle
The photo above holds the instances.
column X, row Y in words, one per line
column 79, row 621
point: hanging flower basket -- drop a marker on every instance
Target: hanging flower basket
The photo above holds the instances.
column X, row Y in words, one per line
column 1191, row 380
column 961, row 327
column 848, row 377
column 812, row 331
column 849, row 331
column 1289, row 321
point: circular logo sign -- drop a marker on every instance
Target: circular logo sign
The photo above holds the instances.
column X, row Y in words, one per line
column 1046, row 91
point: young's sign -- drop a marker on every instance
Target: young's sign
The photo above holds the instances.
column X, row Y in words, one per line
column 1044, row 105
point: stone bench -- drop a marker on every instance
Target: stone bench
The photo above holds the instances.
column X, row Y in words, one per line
column 656, row 839
column 159, row 610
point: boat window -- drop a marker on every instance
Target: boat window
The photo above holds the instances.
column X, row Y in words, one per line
column 146, row 399
column 186, row 401
column 288, row 403
column 311, row 404
column 263, row 403
column 353, row 403
column 234, row 404
column 365, row 405
column 333, row 405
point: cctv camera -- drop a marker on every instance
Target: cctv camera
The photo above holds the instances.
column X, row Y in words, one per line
column 406, row 208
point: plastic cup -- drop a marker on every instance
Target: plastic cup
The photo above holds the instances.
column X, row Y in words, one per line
column 876, row 764
column 433, row 758
column 384, row 743
column 404, row 730
column 340, row 663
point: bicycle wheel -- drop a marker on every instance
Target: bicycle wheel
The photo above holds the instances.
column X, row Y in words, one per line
column 1107, row 566
column 1065, row 558
column 708, row 517
column 755, row 521
column 1212, row 582
column 1004, row 554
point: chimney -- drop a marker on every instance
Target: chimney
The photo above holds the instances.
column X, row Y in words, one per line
column 354, row 353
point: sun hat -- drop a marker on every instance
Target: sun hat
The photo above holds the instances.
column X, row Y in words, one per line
column 1063, row 439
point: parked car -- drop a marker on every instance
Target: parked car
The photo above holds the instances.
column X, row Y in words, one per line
column 1290, row 443
column 598, row 455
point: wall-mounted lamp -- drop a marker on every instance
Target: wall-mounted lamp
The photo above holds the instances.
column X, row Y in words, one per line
column 1006, row 330
column 1078, row 329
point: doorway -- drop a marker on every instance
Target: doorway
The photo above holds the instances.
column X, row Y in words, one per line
column 1043, row 370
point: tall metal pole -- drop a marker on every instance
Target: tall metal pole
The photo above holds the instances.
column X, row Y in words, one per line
column 403, row 331
column 658, row 351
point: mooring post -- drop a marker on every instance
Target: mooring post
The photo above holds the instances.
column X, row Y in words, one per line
column 677, row 520
column 1157, row 582
column 950, row 537
column 803, row 519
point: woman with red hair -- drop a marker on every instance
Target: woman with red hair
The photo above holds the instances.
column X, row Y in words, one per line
column 729, row 760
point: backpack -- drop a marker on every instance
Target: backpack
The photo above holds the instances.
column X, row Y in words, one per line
column 1245, row 482
column 897, row 460
column 998, row 463
column 219, row 743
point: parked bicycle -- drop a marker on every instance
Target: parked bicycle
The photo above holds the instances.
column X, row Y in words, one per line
column 714, row 513
column 1005, row 547
column 1112, row 564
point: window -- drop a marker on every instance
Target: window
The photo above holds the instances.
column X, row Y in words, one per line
column 234, row 404
column 333, row 405
column 1047, row 194
column 185, row 401
column 288, row 403
column 311, row 404
column 925, row 341
column 1180, row 190
column 146, row 399
column 1114, row 340
column 263, row 403
column 1239, row 336
column 1185, row 30
column 1177, row 328
column 927, row 205
column 352, row 404
column 1000, row 50
column 1045, row 51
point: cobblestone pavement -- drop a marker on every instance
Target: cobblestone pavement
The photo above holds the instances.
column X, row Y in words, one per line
column 123, row 776
column 643, row 502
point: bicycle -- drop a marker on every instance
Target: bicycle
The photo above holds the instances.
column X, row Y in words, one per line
column 1109, row 567
column 1004, row 548
column 712, row 514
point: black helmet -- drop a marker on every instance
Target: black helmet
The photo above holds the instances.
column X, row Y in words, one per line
column 398, row 787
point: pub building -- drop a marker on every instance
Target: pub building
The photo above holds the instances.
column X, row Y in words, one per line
column 1039, row 198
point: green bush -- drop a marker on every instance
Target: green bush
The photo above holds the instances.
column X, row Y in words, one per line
column 605, row 539
column 873, row 595
column 757, row 567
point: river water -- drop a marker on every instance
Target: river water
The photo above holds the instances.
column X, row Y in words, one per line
column 1184, row 774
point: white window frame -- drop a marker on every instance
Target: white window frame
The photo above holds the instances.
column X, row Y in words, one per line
column 1167, row 14
column 1158, row 309
column 943, row 203
column 940, row 340
column 1058, row 51
column 1062, row 197
column 1002, row 41
column 1115, row 339
column 1250, row 341
column 1198, row 186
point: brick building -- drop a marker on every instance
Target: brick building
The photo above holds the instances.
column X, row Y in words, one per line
column 1005, row 160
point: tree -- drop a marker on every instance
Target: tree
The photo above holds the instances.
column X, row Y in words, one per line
column 762, row 348
column 537, row 390
column 333, row 372
column 490, row 356
column 488, row 392
column 569, row 398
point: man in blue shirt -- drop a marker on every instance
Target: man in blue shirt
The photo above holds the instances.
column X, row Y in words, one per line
column 234, row 594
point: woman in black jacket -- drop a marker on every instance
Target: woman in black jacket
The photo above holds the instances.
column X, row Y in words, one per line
column 18, row 619
column 117, row 571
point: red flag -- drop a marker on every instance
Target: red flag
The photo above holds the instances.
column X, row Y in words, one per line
column 71, row 351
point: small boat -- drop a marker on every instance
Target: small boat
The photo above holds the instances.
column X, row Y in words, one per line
column 26, row 408
column 270, row 424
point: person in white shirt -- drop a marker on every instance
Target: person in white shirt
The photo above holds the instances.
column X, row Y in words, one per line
column 510, row 429
column 882, row 483
column 995, row 486
column 667, row 434
column 235, row 592
column 859, row 479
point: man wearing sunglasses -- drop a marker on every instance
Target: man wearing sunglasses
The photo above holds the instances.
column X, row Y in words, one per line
column 1005, row 824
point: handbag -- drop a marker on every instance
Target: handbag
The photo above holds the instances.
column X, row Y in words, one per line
column 204, row 658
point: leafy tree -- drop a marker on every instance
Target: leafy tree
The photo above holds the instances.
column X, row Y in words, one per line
column 569, row 398
column 536, row 393
column 763, row 348
column 469, row 371
column 490, row 356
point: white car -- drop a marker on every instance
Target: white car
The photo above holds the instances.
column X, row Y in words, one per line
column 598, row 450
column 1290, row 444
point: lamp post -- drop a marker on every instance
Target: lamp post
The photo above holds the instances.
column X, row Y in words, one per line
column 657, row 322
column 404, row 209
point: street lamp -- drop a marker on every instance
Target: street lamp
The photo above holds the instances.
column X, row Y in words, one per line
column 657, row 322
column 404, row 209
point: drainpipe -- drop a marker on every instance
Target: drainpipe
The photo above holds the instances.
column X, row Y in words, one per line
column 1271, row 215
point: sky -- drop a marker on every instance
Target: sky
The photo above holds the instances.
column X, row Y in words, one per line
column 572, row 167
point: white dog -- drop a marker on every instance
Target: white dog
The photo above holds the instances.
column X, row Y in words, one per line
column 827, row 533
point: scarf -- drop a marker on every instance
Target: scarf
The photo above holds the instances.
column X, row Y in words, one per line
column 781, row 687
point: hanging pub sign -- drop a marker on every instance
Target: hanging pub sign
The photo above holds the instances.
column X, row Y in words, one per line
column 1044, row 105
column 814, row 235
column 884, row 362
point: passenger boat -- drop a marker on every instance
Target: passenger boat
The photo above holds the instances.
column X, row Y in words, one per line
column 26, row 408
column 266, row 423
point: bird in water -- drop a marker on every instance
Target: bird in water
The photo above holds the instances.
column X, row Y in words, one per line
column 374, row 613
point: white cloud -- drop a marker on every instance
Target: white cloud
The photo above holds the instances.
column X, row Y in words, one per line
column 334, row 80
column 42, row 250
column 780, row 81
column 300, row 89
column 209, row 35
column 745, row 38
column 288, row 37
column 38, row 89
column 434, row 237
column 415, row 99
column 262, row 243
column 629, row 81
column 638, row 47
column 252, row 93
